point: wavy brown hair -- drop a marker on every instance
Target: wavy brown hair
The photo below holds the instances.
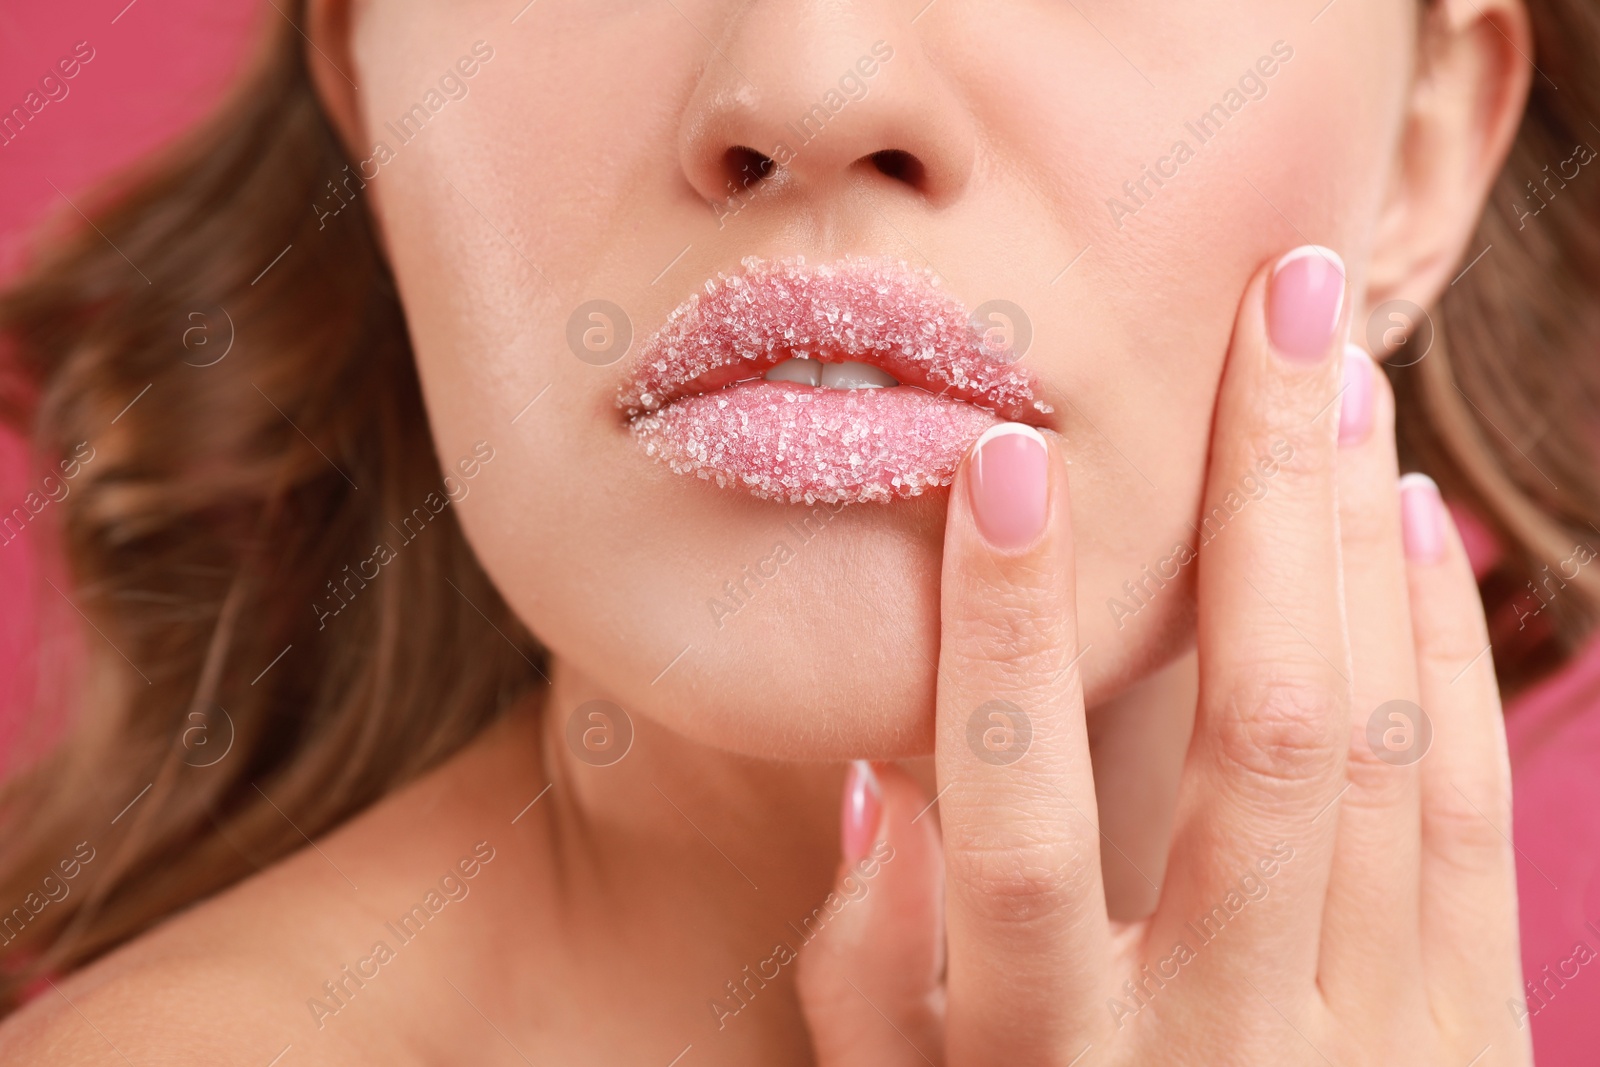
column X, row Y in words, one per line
column 222, row 503
column 1502, row 410
column 217, row 510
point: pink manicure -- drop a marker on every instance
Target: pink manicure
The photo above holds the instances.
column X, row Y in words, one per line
column 1355, row 399
column 863, row 809
column 1421, row 518
column 1304, row 299
column 1008, row 485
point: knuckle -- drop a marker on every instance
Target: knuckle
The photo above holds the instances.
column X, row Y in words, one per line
column 1273, row 467
column 1282, row 732
column 1448, row 651
column 1471, row 837
column 1474, row 844
column 1280, row 428
column 1292, row 401
column 1375, row 782
column 1021, row 884
column 1013, row 636
column 1366, row 528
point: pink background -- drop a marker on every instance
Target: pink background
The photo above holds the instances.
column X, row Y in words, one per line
column 160, row 64
column 155, row 69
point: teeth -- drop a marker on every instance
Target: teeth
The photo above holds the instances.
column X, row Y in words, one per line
column 855, row 376
column 803, row 371
column 830, row 375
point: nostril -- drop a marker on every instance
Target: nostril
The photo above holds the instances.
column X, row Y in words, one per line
column 746, row 167
column 901, row 166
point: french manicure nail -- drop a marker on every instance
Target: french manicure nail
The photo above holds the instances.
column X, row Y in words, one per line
column 1355, row 397
column 1304, row 299
column 1421, row 518
column 862, row 810
column 1008, row 485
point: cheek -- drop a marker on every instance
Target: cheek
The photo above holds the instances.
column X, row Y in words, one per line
column 524, row 202
column 495, row 237
column 1143, row 321
column 554, row 184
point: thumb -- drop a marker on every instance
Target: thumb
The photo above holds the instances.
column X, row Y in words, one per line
column 871, row 970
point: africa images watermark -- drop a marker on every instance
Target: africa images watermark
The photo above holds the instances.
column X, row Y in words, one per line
column 852, row 890
column 1550, row 585
column 1250, row 888
column 1548, row 984
column 452, row 887
column 51, row 490
column 412, row 526
column 53, row 889
column 739, row 591
column 53, row 88
column 453, row 85
column 1253, row 486
column 852, row 86
column 1251, row 86
column 1582, row 155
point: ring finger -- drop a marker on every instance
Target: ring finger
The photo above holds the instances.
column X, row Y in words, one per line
column 1370, row 949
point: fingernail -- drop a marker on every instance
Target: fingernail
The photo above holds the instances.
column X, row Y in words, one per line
column 1304, row 299
column 863, row 807
column 1355, row 397
column 1421, row 518
column 1008, row 485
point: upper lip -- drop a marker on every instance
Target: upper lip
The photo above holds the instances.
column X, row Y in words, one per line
column 865, row 310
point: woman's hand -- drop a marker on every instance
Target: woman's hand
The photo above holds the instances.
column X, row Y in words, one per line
column 1329, row 897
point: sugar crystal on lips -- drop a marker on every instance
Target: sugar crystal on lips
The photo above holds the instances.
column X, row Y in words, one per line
column 846, row 456
column 860, row 307
column 901, row 385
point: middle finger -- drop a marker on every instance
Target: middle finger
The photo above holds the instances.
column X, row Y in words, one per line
column 1253, row 844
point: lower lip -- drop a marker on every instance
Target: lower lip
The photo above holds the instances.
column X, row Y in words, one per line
column 806, row 445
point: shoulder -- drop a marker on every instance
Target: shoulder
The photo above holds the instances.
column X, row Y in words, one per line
column 319, row 959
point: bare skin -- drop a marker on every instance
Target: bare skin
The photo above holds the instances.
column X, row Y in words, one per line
column 602, row 922
column 616, row 910
column 528, row 933
column 520, row 948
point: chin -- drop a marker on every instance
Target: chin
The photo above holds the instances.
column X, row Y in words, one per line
column 798, row 632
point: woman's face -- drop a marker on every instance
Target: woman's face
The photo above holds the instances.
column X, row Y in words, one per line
column 1109, row 173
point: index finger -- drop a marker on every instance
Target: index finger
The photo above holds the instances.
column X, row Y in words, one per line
column 1025, row 911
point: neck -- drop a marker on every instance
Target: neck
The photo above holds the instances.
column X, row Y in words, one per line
column 707, row 859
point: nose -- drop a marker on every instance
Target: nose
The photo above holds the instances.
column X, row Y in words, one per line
column 824, row 99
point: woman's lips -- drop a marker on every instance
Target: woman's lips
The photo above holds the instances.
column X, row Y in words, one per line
column 806, row 445
column 697, row 401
